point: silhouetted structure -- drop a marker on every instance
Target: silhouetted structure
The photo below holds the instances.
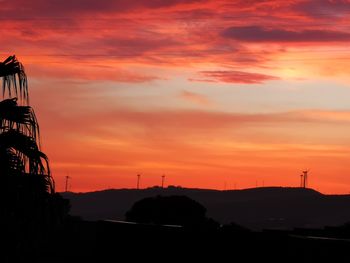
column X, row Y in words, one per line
column 30, row 207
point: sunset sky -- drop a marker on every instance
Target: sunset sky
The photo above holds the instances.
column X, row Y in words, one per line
column 212, row 93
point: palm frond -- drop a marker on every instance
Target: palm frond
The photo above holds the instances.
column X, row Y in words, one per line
column 20, row 118
column 27, row 151
column 10, row 163
column 14, row 79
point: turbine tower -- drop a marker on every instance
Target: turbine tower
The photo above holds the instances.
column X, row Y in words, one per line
column 67, row 179
column 301, row 181
column 163, row 178
column 305, row 181
column 138, row 181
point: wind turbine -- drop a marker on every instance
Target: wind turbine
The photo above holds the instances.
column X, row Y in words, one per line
column 138, row 182
column 163, row 178
column 67, row 179
column 305, row 175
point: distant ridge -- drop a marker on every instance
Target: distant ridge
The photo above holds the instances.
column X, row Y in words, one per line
column 256, row 208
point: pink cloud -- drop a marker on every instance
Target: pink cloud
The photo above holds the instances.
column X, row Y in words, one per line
column 122, row 120
column 89, row 73
column 195, row 98
column 235, row 77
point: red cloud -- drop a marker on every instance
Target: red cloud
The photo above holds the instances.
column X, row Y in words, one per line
column 47, row 8
column 235, row 77
column 178, row 33
column 261, row 34
column 323, row 9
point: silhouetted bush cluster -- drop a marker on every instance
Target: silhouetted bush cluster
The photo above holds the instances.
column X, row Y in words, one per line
column 170, row 210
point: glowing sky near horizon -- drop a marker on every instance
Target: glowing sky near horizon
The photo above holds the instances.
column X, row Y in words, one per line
column 211, row 93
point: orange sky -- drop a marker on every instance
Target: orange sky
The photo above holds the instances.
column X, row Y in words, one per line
column 211, row 93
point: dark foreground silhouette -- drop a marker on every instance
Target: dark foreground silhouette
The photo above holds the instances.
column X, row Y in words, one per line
column 151, row 240
column 106, row 241
column 189, row 240
column 77, row 240
column 257, row 208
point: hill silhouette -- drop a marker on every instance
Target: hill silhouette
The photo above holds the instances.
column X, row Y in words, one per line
column 256, row 208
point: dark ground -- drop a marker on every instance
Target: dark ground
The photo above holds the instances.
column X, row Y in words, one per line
column 82, row 241
column 289, row 239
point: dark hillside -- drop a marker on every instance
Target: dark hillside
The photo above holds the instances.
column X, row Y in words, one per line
column 256, row 208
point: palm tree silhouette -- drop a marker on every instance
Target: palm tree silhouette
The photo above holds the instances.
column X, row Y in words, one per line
column 20, row 153
column 31, row 206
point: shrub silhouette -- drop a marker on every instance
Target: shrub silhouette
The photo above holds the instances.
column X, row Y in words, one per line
column 168, row 210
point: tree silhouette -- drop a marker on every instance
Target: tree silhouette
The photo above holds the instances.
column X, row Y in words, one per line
column 169, row 210
column 28, row 200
